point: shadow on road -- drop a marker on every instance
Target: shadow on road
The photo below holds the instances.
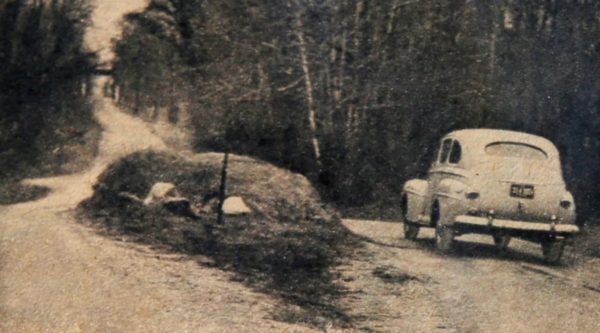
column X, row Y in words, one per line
column 401, row 244
column 479, row 250
column 471, row 246
column 469, row 249
column 462, row 249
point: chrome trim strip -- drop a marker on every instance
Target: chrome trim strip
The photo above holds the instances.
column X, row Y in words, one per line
column 446, row 195
column 449, row 171
column 413, row 191
column 514, row 224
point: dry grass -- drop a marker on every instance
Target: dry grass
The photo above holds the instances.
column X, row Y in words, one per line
column 15, row 192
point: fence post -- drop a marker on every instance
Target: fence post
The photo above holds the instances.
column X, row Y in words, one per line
column 223, row 188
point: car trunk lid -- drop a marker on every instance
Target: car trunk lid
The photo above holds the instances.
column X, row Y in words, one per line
column 519, row 189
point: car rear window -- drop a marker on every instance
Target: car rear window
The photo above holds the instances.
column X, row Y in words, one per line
column 515, row 149
column 455, row 153
column 446, row 144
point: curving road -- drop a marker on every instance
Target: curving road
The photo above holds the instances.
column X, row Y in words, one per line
column 59, row 276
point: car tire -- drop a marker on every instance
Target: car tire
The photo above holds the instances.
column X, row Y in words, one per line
column 501, row 241
column 552, row 249
column 444, row 234
column 444, row 238
column 411, row 231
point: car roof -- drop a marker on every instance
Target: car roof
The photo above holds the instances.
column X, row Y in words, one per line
column 481, row 137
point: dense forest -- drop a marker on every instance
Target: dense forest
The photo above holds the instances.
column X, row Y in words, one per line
column 356, row 94
column 44, row 78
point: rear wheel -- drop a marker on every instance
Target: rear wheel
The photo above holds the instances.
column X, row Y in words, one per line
column 444, row 234
column 444, row 238
column 410, row 230
column 501, row 241
column 553, row 248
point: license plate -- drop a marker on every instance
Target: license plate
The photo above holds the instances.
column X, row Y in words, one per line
column 522, row 191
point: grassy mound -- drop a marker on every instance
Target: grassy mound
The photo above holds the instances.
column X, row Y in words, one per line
column 15, row 192
column 288, row 245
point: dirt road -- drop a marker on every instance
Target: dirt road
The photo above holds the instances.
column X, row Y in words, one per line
column 477, row 290
column 59, row 276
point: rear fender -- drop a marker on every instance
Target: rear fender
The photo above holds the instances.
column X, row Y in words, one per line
column 567, row 215
column 450, row 195
column 452, row 189
column 414, row 194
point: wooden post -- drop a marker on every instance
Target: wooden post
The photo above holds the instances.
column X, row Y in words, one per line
column 223, row 188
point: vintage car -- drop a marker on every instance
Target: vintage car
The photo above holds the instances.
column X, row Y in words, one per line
column 502, row 183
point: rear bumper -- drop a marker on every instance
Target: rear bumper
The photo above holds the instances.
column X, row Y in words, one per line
column 516, row 225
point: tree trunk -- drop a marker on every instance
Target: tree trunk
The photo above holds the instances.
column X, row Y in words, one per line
column 310, row 99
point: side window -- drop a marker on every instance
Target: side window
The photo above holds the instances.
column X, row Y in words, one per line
column 455, row 153
column 445, row 150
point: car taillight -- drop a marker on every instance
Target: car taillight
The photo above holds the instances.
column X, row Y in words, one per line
column 565, row 204
column 472, row 195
